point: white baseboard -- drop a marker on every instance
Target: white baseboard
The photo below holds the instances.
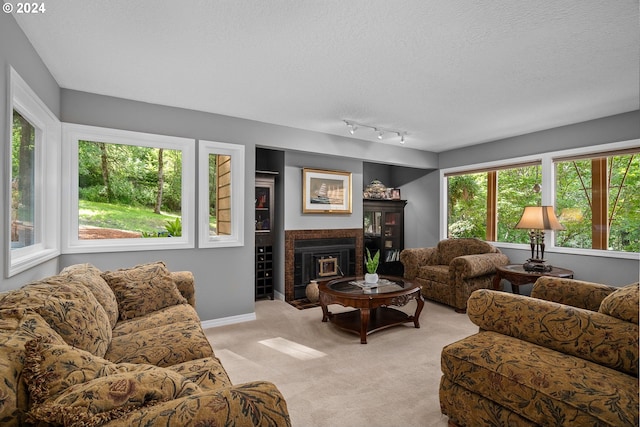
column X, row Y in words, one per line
column 228, row 320
column 277, row 295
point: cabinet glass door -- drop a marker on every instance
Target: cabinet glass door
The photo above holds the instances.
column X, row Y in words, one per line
column 373, row 223
column 392, row 230
column 263, row 209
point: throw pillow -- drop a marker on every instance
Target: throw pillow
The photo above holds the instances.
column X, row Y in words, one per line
column 143, row 289
column 17, row 327
column 72, row 387
column 69, row 308
column 90, row 276
column 622, row 303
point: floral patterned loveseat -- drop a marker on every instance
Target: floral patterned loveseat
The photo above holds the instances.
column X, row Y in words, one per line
column 566, row 356
column 119, row 348
column 451, row 271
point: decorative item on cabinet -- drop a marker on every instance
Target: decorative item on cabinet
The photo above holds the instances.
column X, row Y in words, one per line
column 376, row 190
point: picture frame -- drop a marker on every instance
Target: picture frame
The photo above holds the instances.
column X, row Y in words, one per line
column 395, row 194
column 326, row 191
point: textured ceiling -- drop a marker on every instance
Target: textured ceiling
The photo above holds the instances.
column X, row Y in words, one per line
column 451, row 73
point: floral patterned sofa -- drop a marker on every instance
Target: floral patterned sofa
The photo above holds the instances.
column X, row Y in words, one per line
column 451, row 271
column 119, row 348
column 566, row 356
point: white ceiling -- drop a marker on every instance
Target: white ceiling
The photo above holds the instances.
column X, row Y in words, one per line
column 451, row 73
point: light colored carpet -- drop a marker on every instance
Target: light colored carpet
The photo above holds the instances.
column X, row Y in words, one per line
column 329, row 379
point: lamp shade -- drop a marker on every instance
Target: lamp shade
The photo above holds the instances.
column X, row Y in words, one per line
column 539, row 218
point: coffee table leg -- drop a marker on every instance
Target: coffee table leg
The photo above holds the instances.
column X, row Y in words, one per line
column 416, row 315
column 364, row 324
column 325, row 308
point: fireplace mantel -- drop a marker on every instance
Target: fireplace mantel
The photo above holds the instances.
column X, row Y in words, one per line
column 291, row 236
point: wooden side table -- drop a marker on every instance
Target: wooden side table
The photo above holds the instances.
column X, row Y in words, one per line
column 517, row 275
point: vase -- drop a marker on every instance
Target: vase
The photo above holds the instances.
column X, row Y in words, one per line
column 312, row 291
column 371, row 278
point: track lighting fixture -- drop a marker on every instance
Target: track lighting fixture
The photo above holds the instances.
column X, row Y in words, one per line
column 353, row 126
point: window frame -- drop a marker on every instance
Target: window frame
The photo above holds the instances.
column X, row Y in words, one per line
column 71, row 134
column 237, row 153
column 493, row 198
column 46, row 177
column 548, row 193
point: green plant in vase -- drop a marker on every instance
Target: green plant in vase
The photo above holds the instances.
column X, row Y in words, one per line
column 371, row 263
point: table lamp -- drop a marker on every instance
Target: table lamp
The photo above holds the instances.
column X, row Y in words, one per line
column 537, row 219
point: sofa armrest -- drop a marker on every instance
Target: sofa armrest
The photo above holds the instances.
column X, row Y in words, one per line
column 592, row 336
column 576, row 293
column 186, row 285
column 469, row 266
column 413, row 259
column 251, row 404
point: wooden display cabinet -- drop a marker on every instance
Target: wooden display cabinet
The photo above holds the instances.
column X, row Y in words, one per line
column 384, row 231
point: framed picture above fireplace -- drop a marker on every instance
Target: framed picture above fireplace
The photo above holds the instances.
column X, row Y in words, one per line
column 326, row 191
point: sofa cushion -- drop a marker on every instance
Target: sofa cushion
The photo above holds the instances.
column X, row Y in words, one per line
column 543, row 385
column 90, row 276
column 161, row 346
column 69, row 308
column 622, row 303
column 449, row 249
column 162, row 317
column 208, row 373
column 256, row 403
column 17, row 327
column 73, row 387
column 435, row 273
column 142, row 289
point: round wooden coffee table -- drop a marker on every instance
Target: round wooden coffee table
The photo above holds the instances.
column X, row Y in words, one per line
column 372, row 312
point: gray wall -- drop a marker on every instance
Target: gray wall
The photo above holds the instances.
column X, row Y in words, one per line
column 622, row 127
column 16, row 51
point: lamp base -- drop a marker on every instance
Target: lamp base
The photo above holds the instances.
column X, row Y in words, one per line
column 537, row 265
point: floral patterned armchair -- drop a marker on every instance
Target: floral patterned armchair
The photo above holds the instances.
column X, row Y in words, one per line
column 451, row 271
column 566, row 356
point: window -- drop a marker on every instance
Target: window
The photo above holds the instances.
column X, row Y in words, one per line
column 598, row 200
column 221, row 198
column 34, row 184
column 23, row 189
column 595, row 192
column 129, row 190
column 488, row 203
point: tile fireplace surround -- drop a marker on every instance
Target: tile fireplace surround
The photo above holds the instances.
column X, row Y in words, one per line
column 291, row 236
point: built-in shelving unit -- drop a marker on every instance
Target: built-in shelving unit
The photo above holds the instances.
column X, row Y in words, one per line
column 264, row 263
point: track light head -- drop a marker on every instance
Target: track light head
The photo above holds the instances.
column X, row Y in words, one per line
column 352, row 126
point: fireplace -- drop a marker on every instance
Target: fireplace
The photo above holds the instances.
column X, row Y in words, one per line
column 320, row 255
column 322, row 259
